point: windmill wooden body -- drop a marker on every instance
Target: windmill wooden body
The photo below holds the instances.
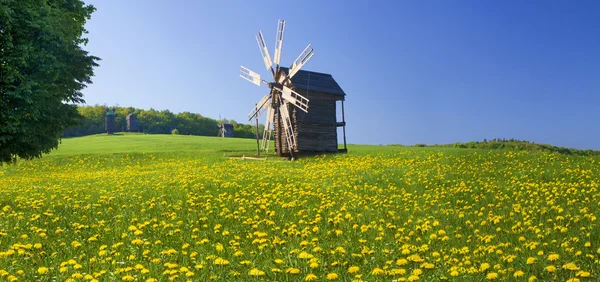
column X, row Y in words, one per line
column 288, row 119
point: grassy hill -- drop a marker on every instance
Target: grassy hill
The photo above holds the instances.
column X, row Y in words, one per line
column 172, row 208
column 151, row 143
column 202, row 146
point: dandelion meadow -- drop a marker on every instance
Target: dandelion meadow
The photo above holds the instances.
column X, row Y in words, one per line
column 172, row 208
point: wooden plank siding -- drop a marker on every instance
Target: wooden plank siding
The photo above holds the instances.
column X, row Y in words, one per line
column 315, row 131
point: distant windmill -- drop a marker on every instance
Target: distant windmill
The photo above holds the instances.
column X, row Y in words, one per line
column 225, row 129
column 280, row 95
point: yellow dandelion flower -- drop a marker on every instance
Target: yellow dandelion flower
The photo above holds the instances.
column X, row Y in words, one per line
column 256, row 272
column 310, row 277
column 353, row 269
column 553, row 257
column 401, row 261
column 42, row 270
column 220, row 261
column 491, row 276
column 582, row 274
column 332, row 276
column 550, row 268
column 377, row 271
column 519, row 273
column 304, row 255
column 292, row 270
column 571, row 266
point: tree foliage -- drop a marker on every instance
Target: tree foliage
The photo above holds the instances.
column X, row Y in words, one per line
column 43, row 69
column 155, row 122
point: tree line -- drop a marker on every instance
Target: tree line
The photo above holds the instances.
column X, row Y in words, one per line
column 92, row 121
column 514, row 144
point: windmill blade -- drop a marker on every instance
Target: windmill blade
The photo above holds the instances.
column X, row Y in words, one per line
column 260, row 107
column 266, row 140
column 294, row 98
column 287, row 125
column 249, row 75
column 264, row 51
column 301, row 60
column 279, row 42
column 268, row 131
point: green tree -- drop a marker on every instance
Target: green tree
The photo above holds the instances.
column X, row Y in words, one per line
column 43, row 69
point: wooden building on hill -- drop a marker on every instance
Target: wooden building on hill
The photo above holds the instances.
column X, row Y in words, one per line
column 316, row 131
column 133, row 124
column 109, row 122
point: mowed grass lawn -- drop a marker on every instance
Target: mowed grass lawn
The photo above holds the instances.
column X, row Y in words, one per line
column 173, row 208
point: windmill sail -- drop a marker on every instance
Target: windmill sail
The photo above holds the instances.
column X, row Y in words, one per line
column 249, row 75
column 295, row 99
column 301, row 60
column 287, row 125
column 260, row 107
column 264, row 51
column 268, row 131
column 279, row 42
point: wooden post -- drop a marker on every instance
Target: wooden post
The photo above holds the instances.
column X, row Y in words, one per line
column 257, row 143
column 344, row 127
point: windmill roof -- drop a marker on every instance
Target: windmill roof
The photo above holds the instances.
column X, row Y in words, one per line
column 316, row 81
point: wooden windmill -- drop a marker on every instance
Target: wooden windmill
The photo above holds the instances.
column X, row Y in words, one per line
column 225, row 129
column 280, row 97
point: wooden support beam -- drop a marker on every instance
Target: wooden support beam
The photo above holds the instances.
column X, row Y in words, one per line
column 344, row 127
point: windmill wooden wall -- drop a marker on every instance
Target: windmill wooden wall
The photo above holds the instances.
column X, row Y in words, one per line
column 316, row 131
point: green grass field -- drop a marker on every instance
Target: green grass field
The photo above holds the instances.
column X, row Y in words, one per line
column 175, row 208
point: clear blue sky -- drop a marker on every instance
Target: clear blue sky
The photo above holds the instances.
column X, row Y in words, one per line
column 414, row 71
